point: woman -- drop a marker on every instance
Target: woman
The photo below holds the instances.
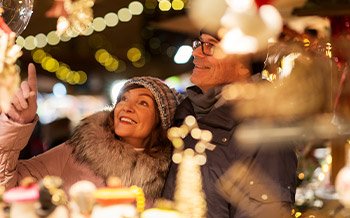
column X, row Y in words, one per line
column 128, row 141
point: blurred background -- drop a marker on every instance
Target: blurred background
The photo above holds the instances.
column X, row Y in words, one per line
column 303, row 43
column 79, row 74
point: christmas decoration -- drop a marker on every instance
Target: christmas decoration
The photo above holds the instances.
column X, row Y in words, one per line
column 117, row 201
column 76, row 16
column 243, row 26
column 82, row 202
column 189, row 196
column 52, row 198
column 16, row 14
column 22, row 199
column 9, row 73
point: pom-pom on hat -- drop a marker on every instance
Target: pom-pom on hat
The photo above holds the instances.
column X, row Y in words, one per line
column 167, row 99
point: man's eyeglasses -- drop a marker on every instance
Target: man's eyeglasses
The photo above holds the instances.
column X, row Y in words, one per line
column 207, row 47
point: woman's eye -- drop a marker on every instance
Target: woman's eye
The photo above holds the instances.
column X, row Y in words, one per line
column 123, row 98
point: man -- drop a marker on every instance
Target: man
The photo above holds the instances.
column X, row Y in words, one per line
column 237, row 182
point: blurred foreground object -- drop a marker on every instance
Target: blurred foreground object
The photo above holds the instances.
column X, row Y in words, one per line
column 342, row 183
column 9, row 73
column 16, row 14
column 243, row 26
column 163, row 208
column 82, row 201
column 14, row 18
column 189, row 196
column 22, row 199
column 73, row 16
column 295, row 99
column 303, row 88
column 52, row 198
column 118, row 201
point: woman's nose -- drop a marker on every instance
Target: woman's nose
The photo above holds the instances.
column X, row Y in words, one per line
column 128, row 106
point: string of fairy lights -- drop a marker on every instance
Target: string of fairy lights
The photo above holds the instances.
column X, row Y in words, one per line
column 37, row 43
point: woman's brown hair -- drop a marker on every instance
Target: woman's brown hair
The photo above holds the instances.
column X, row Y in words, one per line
column 157, row 141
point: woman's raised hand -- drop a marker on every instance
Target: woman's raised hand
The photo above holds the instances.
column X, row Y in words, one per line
column 23, row 105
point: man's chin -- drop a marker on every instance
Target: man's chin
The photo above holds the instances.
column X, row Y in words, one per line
column 196, row 78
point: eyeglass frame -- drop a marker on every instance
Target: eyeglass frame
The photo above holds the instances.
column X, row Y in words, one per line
column 200, row 43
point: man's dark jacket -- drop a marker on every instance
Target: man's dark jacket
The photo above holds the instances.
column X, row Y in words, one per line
column 257, row 182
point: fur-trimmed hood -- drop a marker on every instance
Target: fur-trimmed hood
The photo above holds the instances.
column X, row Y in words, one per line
column 107, row 156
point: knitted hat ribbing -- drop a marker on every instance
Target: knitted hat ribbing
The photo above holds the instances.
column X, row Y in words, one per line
column 167, row 99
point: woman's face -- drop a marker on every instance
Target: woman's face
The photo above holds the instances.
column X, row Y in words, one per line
column 135, row 116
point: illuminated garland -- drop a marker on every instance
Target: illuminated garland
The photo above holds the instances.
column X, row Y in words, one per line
column 98, row 24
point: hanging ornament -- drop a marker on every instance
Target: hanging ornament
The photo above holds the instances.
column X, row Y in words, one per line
column 57, row 10
column 9, row 74
column 79, row 16
column 16, row 14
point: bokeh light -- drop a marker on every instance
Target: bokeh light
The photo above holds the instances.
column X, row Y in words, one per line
column 30, row 43
column 98, row 24
column 20, row 41
column 51, row 65
column 100, row 55
column 65, row 38
column 177, row 5
column 140, row 63
column 62, row 72
column 82, row 77
column 38, row 55
column 59, row 90
column 41, row 40
column 136, row 8
column 72, row 32
column 183, row 55
column 88, row 31
column 164, row 5
column 124, row 15
column 174, row 82
column 52, row 38
column 134, row 54
column 113, row 66
column 111, row 19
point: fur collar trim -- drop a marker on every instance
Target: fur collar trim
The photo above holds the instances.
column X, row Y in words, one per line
column 108, row 156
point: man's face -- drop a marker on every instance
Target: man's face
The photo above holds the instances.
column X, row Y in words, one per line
column 212, row 71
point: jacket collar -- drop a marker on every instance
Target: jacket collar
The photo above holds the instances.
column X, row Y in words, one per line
column 107, row 156
column 219, row 117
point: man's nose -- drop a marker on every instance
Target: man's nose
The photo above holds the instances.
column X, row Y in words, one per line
column 197, row 52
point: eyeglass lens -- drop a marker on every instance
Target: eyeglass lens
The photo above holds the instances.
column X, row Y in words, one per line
column 207, row 48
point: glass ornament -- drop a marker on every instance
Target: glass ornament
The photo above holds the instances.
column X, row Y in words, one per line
column 17, row 13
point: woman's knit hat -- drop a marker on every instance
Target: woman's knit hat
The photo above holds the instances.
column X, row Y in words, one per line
column 167, row 99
